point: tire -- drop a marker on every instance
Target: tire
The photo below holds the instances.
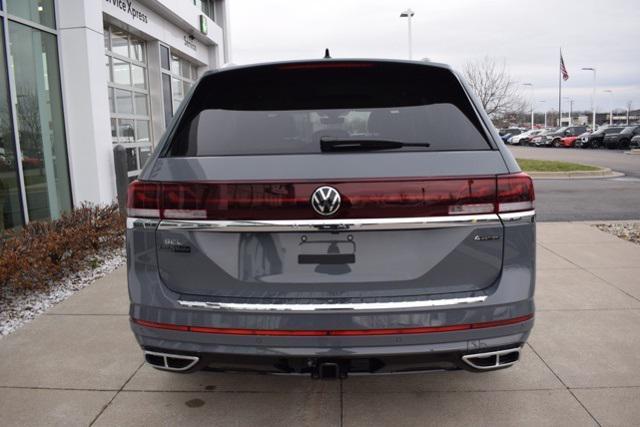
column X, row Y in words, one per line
column 625, row 143
column 556, row 143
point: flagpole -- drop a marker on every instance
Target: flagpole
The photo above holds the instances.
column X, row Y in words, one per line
column 560, row 89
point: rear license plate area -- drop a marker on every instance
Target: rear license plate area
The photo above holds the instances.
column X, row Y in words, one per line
column 327, row 251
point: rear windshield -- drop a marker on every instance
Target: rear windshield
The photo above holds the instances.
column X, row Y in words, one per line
column 289, row 108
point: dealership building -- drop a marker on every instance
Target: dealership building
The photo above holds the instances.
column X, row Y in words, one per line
column 80, row 76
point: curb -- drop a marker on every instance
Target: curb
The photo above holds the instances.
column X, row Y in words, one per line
column 600, row 173
column 633, row 151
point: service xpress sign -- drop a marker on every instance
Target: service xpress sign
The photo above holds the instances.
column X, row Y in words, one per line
column 129, row 7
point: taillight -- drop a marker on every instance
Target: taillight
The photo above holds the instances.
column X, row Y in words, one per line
column 143, row 200
column 360, row 199
column 515, row 193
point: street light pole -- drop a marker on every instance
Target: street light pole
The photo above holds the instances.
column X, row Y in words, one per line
column 593, row 96
column 610, row 92
column 545, row 112
column 409, row 14
column 532, row 99
column 570, row 110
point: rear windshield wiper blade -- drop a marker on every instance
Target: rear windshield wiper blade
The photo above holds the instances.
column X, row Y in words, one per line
column 351, row 144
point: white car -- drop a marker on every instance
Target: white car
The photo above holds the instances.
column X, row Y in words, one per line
column 523, row 137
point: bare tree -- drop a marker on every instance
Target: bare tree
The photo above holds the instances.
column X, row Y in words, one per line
column 493, row 85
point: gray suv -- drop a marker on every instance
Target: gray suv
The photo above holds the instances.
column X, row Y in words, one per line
column 331, row 217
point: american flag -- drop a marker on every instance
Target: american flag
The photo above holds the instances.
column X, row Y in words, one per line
column 563, row 69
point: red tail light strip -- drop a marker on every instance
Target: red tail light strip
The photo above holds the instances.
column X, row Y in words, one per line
column 346, row 332
column 385, row 198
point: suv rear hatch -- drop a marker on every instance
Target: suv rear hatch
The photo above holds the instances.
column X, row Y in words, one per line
column 234, row 184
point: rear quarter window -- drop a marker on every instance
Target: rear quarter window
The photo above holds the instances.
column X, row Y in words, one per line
column 288, row 108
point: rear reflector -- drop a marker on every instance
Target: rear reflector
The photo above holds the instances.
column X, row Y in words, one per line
column 337, row 332
column 384, row 198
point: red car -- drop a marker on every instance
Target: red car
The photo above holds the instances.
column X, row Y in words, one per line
column 568, row 141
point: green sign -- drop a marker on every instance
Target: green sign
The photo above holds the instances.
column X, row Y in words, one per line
column 204, row 29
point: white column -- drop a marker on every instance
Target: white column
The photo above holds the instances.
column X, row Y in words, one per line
column 85, row 100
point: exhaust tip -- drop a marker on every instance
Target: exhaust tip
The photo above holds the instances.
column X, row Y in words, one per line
column 492, row 359
column 170, row 362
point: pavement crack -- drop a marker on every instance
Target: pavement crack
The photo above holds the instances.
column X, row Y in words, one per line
column 564, row 384
column 104, row 408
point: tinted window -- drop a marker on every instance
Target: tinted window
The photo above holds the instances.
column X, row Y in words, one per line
column 287, row 108
column 610, row 130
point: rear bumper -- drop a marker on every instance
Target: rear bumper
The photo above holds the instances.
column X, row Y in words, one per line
column 511, row 296
column 353, row 355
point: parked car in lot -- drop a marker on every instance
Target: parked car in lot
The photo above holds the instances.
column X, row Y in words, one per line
column 524, row 137
column 317, row 217
column 506, row 137
column 621, row 139
column 596, row 139
column 570, row 141
column 555, row 139
column 541, row 138
column 510, row 131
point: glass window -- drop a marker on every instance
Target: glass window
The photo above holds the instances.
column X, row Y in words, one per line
column 40, row 121
column 144, row 154
column 130, row 115
column 138, row 76
column 124, row 102
column 142, row 131
column 121, row 72
column 164, row 57
column 10, row 211
column 125, row 130
column 175, row 64
column 142, row 108
column 137, row 50
column 166, row 98
column 176, row 86
column 112, row 102
column 263, row 112
column 207, row 7
column 119, row 42
column 39, row 11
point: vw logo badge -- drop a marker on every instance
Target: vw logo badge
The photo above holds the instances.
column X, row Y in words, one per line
column 325, row 201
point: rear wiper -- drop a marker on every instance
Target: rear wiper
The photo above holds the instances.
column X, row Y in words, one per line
column 338, row 144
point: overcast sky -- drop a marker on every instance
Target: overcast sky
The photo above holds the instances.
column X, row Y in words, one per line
column 526, row 34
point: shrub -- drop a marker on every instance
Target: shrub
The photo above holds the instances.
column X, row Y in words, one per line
column 45, row 251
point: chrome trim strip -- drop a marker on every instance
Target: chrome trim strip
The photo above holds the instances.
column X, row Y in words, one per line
column 331, row 224
column 165, row 356
column 141, row 223
column 372, row 306
column 518, row 216
column 468, row 358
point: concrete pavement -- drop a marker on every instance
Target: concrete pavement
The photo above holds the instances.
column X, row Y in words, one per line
column 586, row 199
column 80, row 365
column 613, row 159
